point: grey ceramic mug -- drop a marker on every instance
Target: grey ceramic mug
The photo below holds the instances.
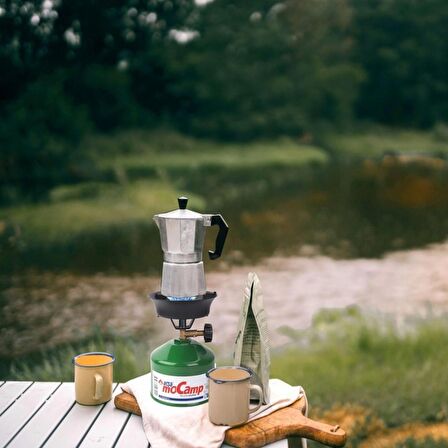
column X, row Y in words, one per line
column 228, row 395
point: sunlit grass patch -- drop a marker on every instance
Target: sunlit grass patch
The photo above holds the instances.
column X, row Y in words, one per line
column 132, row 359
column 155, row 151
column 145, row 171
column 91, row 207
column 374, row 142
column 349, row 358
column 138, row 174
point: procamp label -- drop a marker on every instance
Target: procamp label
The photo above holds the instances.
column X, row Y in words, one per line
column 180, row 390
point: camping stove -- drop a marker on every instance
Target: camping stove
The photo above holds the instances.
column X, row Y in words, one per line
column 179, row 367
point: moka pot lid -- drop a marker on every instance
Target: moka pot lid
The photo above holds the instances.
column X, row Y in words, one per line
column 181, row 213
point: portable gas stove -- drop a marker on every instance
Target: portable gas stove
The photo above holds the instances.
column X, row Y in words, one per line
column 179, row 367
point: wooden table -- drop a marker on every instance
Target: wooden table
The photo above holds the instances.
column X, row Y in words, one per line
column 35, row 414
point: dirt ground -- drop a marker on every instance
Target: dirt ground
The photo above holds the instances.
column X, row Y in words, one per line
column 40, row 310
column 402, row 284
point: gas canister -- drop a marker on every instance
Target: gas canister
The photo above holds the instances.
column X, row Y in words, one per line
column 178, row 372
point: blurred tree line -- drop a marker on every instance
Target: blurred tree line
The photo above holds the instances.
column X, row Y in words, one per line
column 222, row 69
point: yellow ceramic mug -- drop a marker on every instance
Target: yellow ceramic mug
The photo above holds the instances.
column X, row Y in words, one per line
column 93, row 377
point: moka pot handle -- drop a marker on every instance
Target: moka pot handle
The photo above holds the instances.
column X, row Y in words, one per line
column 220, row 237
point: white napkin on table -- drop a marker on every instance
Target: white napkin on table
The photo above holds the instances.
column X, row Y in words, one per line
column 189, row 427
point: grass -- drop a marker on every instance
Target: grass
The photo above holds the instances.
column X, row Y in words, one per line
column 139, row 174
column 158, row 151
column 350, row 358
column 346, row 360
column 156, row 158
column 65, row 216
column 252, row 156
column 132, row 359
column 375, row 141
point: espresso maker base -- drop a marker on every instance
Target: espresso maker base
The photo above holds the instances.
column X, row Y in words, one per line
column 183, row 280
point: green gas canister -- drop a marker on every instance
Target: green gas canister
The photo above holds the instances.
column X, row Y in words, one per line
column 178, row 372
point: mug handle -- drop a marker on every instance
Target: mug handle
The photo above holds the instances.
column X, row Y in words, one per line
column 99, row 386
column 256, row 388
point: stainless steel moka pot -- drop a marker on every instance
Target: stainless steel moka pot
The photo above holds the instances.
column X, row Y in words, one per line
column 182, row 234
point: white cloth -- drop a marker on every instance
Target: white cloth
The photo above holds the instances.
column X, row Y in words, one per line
column 189, row 427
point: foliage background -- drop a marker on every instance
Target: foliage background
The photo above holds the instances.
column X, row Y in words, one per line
column 224, row 70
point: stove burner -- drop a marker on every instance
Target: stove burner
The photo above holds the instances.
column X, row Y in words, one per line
column 183, row 309
column 183, row 299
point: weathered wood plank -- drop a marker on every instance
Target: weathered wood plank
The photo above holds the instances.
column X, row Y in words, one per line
column 47, row 411
column 39, row 428
column 133, row 434
column 11, row 391
column 16, row 416
column 75, row 425
column 107, row 426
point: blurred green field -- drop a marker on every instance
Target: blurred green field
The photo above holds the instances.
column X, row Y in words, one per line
column 138, row 173
column 131, row 175
column 87, row 207
column 374, row 141
column 356, row 369
column 153, row 151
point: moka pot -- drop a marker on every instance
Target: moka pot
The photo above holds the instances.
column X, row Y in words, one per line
column 182, row 233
